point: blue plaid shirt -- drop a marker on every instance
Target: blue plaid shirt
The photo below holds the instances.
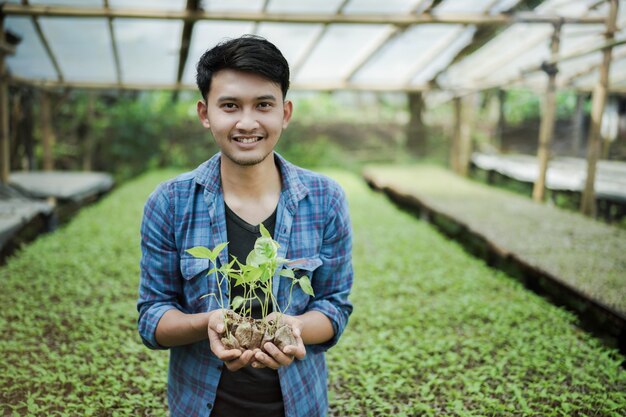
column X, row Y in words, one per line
column 312, row 226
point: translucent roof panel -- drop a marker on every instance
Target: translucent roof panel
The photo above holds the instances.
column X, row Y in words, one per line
column 325, row 55
column 206, row 35
column 410, row 51
column 30, row 59
column 303, row 6
column 490, row 61
column 82, row 48
column 381, row 7
column 73, row 3
column 443, row 59
column 148, row 4
column 232, row 5
column 148, row 49
column 336, row 53
column 291, row 38
column 463, row 6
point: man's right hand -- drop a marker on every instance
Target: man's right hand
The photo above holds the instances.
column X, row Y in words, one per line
column 234, row 359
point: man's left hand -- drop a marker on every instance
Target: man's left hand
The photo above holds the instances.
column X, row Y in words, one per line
column 275, row 358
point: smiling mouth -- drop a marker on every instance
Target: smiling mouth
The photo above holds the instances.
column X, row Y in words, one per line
column 246, row 140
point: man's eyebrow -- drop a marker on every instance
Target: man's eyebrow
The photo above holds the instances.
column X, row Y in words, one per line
column 226, row 98
column 266, row 97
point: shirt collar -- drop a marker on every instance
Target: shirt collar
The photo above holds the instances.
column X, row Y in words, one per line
column 208, row 175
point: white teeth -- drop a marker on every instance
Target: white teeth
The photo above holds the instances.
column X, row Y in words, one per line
column 247, row 140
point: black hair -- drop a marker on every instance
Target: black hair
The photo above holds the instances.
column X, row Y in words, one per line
column 248, row 53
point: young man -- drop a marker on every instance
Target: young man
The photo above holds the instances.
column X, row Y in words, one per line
column 244, row 83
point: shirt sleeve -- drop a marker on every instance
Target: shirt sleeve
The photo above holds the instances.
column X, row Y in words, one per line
column 332, row 281
column 159, row 283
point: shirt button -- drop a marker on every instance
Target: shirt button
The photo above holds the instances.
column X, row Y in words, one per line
column 209, row 405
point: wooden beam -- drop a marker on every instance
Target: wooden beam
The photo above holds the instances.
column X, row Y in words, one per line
column 376, row 46
column 297, row 66
column 192, row 6
column 588, row 200
column 116, row 54
column 43, row 39
column 548, row 117
column 313, row 86
column 430, row 55
column 255, row 29
column 371, row 51
column 394, row 19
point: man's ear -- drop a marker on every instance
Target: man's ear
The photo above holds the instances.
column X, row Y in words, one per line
column 287, row 112
column 202, row 110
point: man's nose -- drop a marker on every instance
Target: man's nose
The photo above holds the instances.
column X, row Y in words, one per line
column 248, row 121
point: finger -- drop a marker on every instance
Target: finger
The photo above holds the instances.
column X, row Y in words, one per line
column 266, row 360
column 220, row 351
column 298, row 351
column 277, row 355
column 242, row 361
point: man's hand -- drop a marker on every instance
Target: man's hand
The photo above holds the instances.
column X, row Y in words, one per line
column 275, row 358
column 234, row 359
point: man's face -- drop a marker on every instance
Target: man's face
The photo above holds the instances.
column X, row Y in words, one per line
column 246, row 114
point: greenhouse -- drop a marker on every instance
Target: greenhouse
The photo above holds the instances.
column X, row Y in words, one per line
column 480, row 149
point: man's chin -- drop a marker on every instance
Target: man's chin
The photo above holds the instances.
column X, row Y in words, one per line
column 247, row 161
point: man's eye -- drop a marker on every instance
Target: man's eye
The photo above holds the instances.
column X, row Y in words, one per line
column 229, row 106
column 265, row 105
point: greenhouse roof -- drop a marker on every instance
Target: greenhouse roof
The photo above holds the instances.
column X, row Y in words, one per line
column 392, row 45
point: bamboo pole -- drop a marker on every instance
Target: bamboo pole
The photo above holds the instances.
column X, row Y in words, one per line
column 546, row 129
column 47, row 138
column 394, row 19
column 588, row 200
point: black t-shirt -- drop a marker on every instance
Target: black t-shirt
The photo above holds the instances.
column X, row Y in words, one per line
column 248, row 392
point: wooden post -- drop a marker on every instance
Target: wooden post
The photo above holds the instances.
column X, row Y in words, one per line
column 88, row 140
column 588, row 201
column 416, row 133
column 5, row 150
column 456, row 135
column 47, row 132
column 546, row 129
column 501, row 123
column 465, row 133
column 578, row 123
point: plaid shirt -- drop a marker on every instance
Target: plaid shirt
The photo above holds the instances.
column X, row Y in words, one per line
column 312, row 225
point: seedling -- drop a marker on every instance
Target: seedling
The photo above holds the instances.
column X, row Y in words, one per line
column 257, row 274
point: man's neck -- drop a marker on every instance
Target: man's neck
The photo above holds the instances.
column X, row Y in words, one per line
column 251, row 191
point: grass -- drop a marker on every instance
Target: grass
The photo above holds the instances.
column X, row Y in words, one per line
column 434, row 331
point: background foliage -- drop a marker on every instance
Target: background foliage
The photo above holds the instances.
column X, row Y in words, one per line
column 434, row 331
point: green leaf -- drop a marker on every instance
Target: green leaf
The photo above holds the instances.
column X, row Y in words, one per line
column 219, row 248
column 251, row 275
column 237, row 302
column 305, row 284
column 287, row 273
column 264, row 231
column 256, row 259
column 201, row 252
